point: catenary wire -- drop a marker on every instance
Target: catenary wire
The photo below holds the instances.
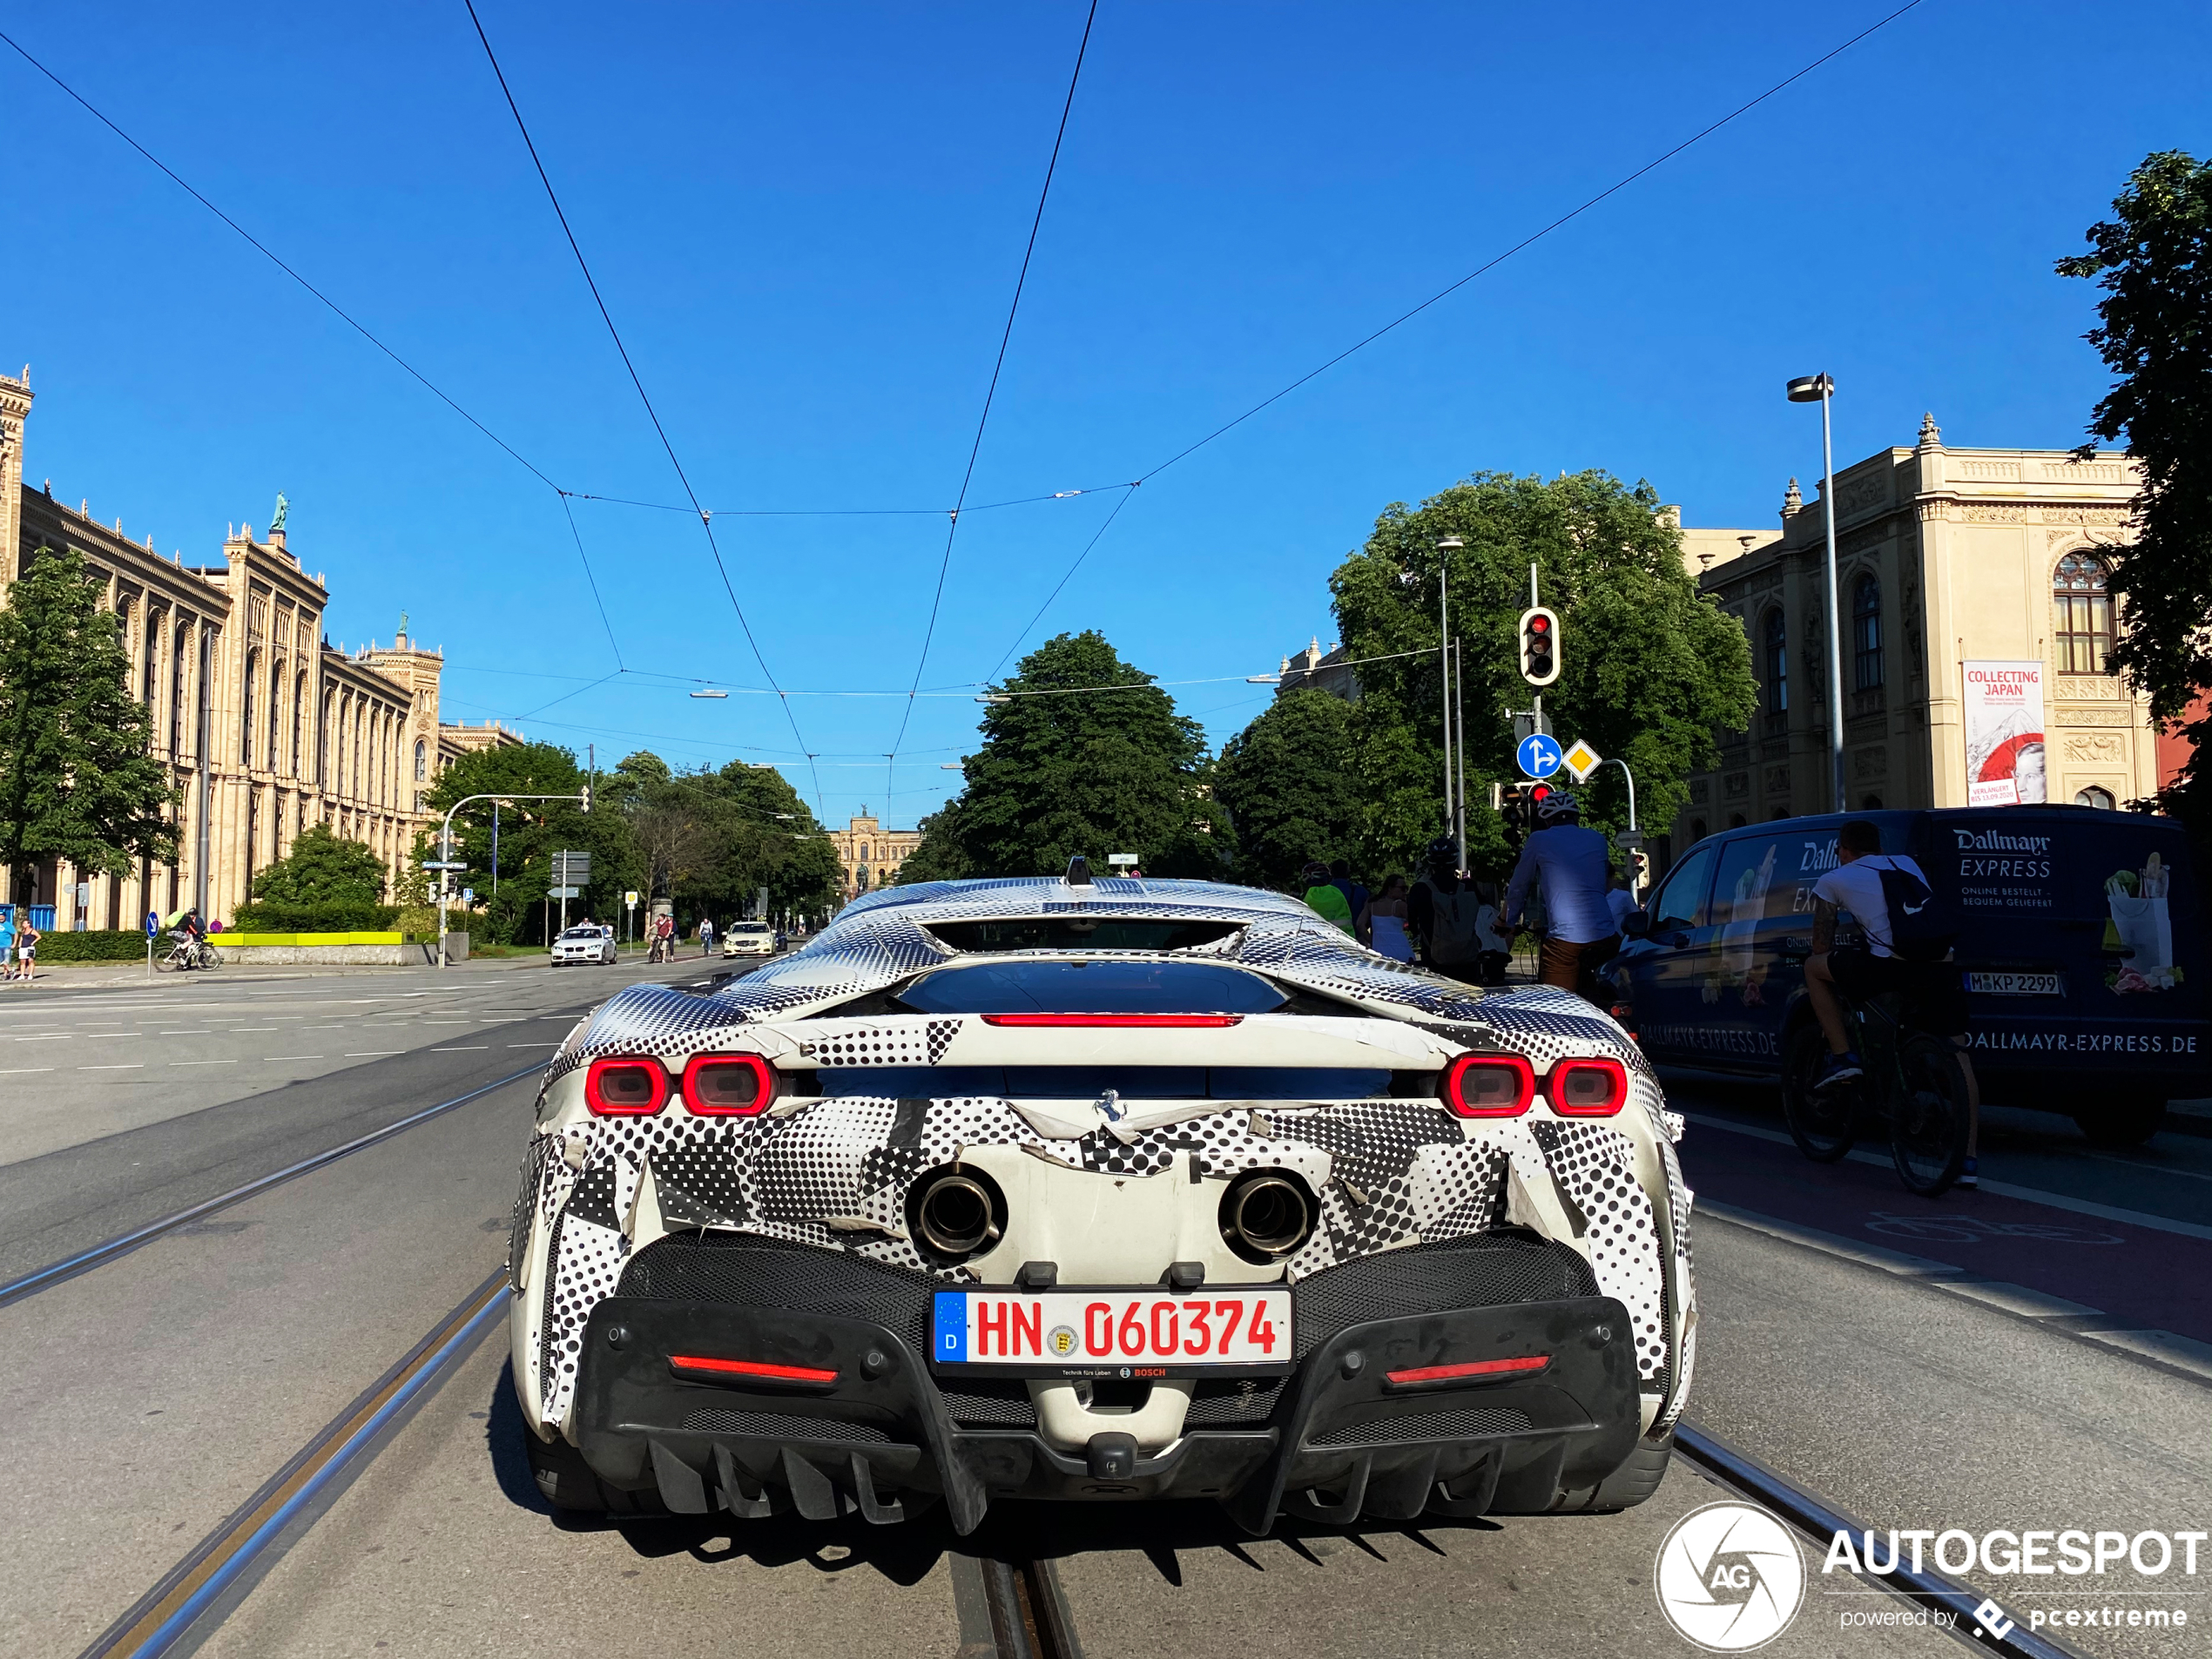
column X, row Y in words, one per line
column 842, row 512
column 706, row 520
column 998, row 367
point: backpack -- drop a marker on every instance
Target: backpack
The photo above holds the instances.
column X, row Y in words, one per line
column 1923, row 928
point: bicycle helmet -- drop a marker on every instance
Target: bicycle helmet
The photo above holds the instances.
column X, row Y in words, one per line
column 1559, row 804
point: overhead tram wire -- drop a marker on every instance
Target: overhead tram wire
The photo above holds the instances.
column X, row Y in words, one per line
column 707, row 519
column 331, row 305
column 990, row 393
column 844, row 512
column 1492, row 264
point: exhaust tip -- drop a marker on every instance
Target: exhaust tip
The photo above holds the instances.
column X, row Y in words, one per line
column 1266, row 1215
column 956, row 1213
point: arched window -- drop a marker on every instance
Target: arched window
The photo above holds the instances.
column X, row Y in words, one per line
column 1696, row 831
column 2092, row 796
column 150, row 683
column 2082, row 612
column 179, row 653
column 1872, row 804
column 245, row 724
column 299, row 716
column 421, row 761
column 1866, row 634
column 276, row 713
column 1776, row 648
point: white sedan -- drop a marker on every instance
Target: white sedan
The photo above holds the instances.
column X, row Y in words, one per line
column 585, row 942
column 749, row 939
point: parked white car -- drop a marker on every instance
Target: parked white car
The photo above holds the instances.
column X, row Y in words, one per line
column 583, row 943
column 749, row 939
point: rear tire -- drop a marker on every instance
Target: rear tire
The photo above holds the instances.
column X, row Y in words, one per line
column 1825, row 1124
column 568, row 1482
column 1928, row 1131
column 2121, row 1125
column 1638, row 1478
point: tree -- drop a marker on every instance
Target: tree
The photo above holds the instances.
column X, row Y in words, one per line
column 530, row 832
column 1287, row 780
column 1650, row 667
column 1083, row 755
column 2154, row 260
column 77, row 783
column 322, row 868
column 713, row 840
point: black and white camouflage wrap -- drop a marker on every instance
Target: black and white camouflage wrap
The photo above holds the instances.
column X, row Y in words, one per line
column 833, row 1172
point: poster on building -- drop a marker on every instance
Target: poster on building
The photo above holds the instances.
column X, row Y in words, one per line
column 2004, row 733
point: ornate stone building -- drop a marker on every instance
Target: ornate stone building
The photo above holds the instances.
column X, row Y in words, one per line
column 1945, row 556
column 871, row 854
column 265, row 728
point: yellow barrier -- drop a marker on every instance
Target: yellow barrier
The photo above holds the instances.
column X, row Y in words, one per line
column 247, row 941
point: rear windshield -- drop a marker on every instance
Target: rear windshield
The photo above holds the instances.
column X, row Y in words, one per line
column 1081, row 932
column 1092, row 988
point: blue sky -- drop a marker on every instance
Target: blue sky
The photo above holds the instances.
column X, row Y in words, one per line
column 807, row 221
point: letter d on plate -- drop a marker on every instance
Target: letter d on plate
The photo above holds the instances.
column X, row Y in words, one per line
column 950, row 1309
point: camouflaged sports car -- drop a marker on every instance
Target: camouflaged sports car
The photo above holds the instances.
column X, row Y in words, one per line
column 1099, row 1189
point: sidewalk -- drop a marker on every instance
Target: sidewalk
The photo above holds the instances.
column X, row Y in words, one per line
column 82, row 976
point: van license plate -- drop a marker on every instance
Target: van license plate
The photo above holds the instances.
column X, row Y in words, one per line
column 1085, row 1330
column 2015, row 985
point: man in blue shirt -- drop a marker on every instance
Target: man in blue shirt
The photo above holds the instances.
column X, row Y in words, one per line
column 1572, row 863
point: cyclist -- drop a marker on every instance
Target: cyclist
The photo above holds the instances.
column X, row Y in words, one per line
column 1835, row 975
column 1572, row 863
column 1445, row 914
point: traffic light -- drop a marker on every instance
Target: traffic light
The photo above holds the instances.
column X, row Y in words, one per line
column 1518, row 809
column 585, row 798
column 1539, row 646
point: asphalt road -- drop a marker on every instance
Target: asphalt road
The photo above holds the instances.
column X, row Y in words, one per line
column 1998, row 1376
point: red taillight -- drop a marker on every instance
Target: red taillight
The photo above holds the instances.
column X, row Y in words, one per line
column 1113, row 1019
column 757, row 1369
column 733, row 1085
column 1489, row 1085
column 1471, row 1368
column 625, row 1088
column 1588, row 1088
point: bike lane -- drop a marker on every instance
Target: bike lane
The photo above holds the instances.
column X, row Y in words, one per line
column 2141, row 1276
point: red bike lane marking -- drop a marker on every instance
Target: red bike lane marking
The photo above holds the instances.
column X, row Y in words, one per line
column 2144, row 1278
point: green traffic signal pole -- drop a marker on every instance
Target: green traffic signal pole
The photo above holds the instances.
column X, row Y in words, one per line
column 445, row 847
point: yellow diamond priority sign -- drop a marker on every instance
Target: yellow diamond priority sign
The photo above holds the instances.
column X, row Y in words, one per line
column 1581, row 760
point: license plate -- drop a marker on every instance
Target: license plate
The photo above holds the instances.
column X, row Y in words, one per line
column 1987, row 984
column 1085, row 1332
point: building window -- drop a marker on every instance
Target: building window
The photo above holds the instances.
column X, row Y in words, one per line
column 1776, row 629
column 276, row 713
column 299, row 717
column 150, row 683
column 246, row 726
column 1866, row 634
column 179, row 650
column 421, row 761
column 2092, row 796
column 1872, row 804
column 2083, row 634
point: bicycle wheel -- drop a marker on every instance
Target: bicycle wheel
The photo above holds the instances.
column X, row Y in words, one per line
column 210, row 957
column 1928, row 1120
column 1823, row 1124
column 169, row 964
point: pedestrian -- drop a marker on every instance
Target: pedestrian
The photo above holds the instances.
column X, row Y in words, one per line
column 27, row 950
column 6, row 941
column 1443, row 910
column 1355, row 896
column 1620, row 902
column 1571, row 864
column 1387, row 921
column 1495, row 943
column 1325, row 896
column 706, row 935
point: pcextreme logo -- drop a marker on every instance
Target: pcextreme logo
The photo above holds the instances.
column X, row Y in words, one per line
column 1730, row 1577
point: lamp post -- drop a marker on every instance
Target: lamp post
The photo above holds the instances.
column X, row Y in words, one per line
column 1819, row 388
column 1445, row 547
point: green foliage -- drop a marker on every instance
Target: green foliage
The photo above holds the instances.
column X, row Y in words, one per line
column 321, row 867
column 94, row 947
column 2154, row 260
column 1082, row 771
column 338, row 916
column 77, row 782
column 713, row 840
column 941, row 856
column 1287, row 782
column 529, row 833
column 1649, row 668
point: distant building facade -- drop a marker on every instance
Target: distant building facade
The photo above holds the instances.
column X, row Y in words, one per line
column 871, row 854
column 265, row 728
column 1315, row 670
column 1956, row 568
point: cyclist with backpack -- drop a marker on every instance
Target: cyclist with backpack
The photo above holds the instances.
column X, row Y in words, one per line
column 1908, row 935
column 1445, row 913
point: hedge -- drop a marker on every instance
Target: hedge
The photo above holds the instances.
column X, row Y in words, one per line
column 104, row 946
column 338, row 916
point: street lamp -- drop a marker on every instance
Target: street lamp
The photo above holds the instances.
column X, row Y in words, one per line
column 1455, row 791
column 1819, row 388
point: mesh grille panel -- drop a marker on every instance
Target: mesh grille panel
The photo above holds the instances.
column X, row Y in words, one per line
column 1484, row 1269
column 1005, row 1405
column 1216, row 1401
column 765, row 1272
column 779, row 1426
column 1469, row 1424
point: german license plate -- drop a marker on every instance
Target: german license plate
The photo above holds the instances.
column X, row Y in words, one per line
column 1083, row 1332
column 2007, row 984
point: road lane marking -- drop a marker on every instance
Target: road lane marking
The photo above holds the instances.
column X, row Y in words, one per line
column 291, row 1056
column 203, row 1062
column 477, row 1048
column 133, row 1065
column 533, row 1045
column 24, row 1071
column 374, row 1053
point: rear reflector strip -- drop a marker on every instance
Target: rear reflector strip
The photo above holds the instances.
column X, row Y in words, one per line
column 1472, row 1368
column 1113, row 1019
column 752, row 1368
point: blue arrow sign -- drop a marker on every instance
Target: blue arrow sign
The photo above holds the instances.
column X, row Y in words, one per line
column 1538, row 755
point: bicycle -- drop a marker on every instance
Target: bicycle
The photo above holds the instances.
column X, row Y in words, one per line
column 1913, row 1083
column 189, row 953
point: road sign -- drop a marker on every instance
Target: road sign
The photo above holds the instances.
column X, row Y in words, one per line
column 631, row 899
column 1538, row 755
column 1627, row 841
column 1120, row 858
column 1527, row 723
column 1581, row 760
column 572, row 869
column 447, row 864
column 564, row 893
column 468, row 895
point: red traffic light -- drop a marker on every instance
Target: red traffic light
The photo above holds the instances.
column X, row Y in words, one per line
column 1540, row 793
column 1539, row 625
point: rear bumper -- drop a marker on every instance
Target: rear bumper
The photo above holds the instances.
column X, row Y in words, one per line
column 1340, row 1439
